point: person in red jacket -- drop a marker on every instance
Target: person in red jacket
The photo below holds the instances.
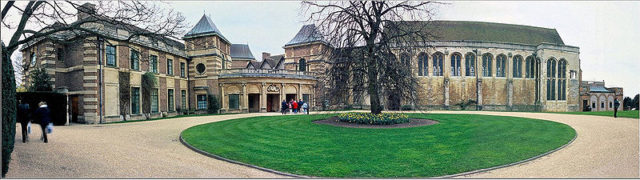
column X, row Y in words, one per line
column 295, row 106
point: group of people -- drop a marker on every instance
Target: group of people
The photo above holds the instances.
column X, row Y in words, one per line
column 294, row 106
column 40, row 116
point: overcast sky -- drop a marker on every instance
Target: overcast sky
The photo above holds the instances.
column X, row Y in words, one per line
column 607, row 33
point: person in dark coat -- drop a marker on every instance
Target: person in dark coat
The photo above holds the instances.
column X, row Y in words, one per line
column 284, row 107
column 616, row 104
column 300, row 103
column 42, row 115
column 23, row 118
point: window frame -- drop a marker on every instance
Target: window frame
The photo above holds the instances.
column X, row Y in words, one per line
column 134, row 58
column 517, row 66
column 501, row 65
column 170, row 100
column 487, row 65
column 236, row 104
column 153, row 63
column 455, row 65
column 135, row 96
column 438, row 64
column 470, row 64
column 183, row 95
column 204, row 104
column 112, row 54
column 169, row 66
column 155, row 105
column 183, row 69
column 423, row 64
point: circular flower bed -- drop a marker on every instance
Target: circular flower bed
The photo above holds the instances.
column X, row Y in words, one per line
column 373, row 119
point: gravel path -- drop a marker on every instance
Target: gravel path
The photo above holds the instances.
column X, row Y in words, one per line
column 605, row 147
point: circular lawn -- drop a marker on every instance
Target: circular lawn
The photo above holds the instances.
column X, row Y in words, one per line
column 458, row 143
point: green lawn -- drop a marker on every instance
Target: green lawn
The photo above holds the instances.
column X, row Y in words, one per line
column 459, row 143
column 628, row 114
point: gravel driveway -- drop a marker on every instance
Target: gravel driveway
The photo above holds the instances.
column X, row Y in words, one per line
column 605, row 147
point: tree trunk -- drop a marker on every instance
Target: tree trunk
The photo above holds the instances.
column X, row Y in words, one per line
column 374, row 96
column 8, row 109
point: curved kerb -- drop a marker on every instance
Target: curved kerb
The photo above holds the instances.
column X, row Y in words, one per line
column 301, row 176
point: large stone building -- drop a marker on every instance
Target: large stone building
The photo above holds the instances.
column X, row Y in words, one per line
column 501, row 66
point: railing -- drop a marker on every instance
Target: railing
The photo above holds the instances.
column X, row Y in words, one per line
column 264, row 71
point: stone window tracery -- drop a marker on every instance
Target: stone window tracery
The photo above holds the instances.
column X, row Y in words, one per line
column 486, row 65
column 437, row 64
column 551, row 79
column 517, row 66
column 470, row 64
column 562, row 79
column 455, row 64
column 501, row 65
column 423, row 64
column 530, row 65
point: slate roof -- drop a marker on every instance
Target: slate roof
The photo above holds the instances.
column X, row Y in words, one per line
column 241, row 51
column 308, row 33
column 487, row 32
column 205, row 27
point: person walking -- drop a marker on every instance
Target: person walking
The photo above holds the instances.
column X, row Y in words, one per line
column 284, row 106
column 42, row 114
column 305, row 108
column 23, row 118
column 300, row 103
column 616, row 104
column 290, row 107
column 295, row 106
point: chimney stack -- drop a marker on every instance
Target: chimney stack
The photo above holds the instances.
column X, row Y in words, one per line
column 85, row 10
column 265, row 55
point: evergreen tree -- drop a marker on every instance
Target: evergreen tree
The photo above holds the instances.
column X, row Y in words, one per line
column 40, row 80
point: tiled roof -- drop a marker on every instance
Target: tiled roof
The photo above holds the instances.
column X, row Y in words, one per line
column 486, row 31
column 204, row 27
column 241, row 51
column 308, row 33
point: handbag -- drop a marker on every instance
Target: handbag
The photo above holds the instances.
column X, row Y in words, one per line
column 29, row 128
column 50, row 128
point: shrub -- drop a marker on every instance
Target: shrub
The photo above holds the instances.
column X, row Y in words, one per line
column 406, row 107
column 463, row 104
column 374, row 119
column 214, row 106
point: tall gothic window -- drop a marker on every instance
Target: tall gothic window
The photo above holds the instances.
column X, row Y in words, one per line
column 406, row 60
column 551, row 79
column 470, row 64
column 486, row 65
column 423, row 64
column 517, row 66
column 562, row 79
column 437, row 64
column 455, row 64
column 530, row 66
column 501, row 65
column 302, row 65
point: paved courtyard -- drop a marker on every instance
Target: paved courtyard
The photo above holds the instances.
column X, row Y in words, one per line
column 605, row 147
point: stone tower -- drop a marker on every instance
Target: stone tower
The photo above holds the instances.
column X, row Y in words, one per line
column 209, row 53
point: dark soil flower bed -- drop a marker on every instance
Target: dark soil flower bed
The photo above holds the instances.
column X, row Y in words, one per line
column 335, row 121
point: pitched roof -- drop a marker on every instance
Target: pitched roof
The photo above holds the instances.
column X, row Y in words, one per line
column 241, row 51
column 308, row 33
column 488, row 32
column 205, row 27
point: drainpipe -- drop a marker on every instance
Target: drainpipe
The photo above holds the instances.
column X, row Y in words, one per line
column 100, row 78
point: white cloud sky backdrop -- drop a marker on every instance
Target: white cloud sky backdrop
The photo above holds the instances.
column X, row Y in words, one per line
column 607, row 33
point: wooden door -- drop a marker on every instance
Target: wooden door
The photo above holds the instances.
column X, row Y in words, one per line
column 74, row 109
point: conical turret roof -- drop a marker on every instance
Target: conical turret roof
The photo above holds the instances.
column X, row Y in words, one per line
column 205, row 27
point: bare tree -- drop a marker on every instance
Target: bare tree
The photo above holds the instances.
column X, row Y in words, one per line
column 59, row 20
column 367, row 37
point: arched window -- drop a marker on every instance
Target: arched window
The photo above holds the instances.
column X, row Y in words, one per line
column 437, row 64
column 455, row 64
column 551, row 79
column 501, row 65
column 486, row 65
column 33, row 59
column 562, row 79
column 470, row 64
column 423, row 64
column 517, row 66
column 530, row 67
column 406, row 60
column 302, row 66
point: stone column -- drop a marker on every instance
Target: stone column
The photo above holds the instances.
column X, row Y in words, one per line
column 509, row 94
column 299, row 91
column 222, row 95
column 245, row 98
column 282, row 95
column 446, row 93
column 263, row 98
